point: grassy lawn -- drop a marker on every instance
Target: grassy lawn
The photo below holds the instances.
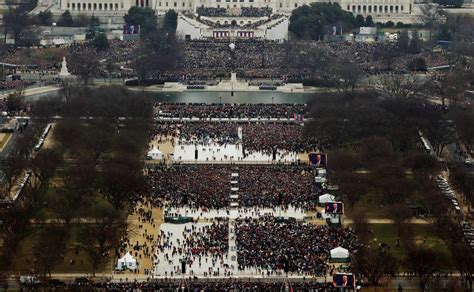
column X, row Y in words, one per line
column 23, row 259
column 387, row 233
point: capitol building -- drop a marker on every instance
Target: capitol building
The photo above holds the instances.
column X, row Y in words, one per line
column 113, row 10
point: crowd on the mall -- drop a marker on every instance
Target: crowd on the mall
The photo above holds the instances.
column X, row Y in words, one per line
column 226, row 110
column 284, row 186
column 208, row 186
column 12, row 84
column 199, row 243
column 191, row 185
column 272, row 244
column 216, row 285
column 264, row 137
column 213, row 59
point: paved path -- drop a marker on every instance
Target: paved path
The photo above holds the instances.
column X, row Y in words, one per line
column 35, row 90
column 388, row 221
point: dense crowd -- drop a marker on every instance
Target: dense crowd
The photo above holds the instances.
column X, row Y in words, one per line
column 269, row 137
column 271, row 244
column 243, row 11
column 191, row 185
column 211, row 59
column 283, row 186
column 5, row 85
column 216, row 285
column 208, row 186
column 265, row 137
column 220, row 110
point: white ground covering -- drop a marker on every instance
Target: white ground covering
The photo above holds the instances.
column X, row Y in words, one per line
column 238, row 213
column 227, row 153
column 230, row 259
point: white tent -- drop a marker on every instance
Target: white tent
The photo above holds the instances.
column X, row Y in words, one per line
column 326, row 198
column 127, row 262
column 155, row 154
column 339, row 254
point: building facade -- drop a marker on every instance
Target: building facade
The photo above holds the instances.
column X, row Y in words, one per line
column 381, row 10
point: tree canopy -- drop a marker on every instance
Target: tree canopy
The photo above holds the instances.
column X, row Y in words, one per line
column 312, row 22
column 145, row 17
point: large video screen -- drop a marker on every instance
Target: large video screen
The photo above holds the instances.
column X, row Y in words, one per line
column 131, row 29
column 343, row 280
column 334, row 208
column 318, row 159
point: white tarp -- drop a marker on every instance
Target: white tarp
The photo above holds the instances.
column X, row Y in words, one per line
column 339, row 253
column 326, row 198
column 127, row 262
column 155, row 154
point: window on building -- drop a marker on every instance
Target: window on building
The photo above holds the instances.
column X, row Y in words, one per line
column 73, row 6
column 166, row 3
column 296, row 5
column 68, row 5
column 89, row 7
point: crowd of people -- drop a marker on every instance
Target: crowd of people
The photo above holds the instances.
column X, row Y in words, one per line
column 213, row 59
column 264, row 137
column 273, row 244
column 284, row 186
column 223, row 110
column 13, row 84
column 216, row 285
column 269, row 137
column 200, row 132
column 193, row 186
column 243, row 11
column 208, row 186
column 200, row 243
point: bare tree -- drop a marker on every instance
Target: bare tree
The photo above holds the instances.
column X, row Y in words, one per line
column 347, row 74
column 103, row 233
column 431, row 17
column 424, row 262
column 374, row 263
column 398, row 85
column 85, row 64
column 48, row 248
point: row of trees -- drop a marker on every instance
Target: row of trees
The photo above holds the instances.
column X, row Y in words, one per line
column 96, row 166
column 376, row 160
